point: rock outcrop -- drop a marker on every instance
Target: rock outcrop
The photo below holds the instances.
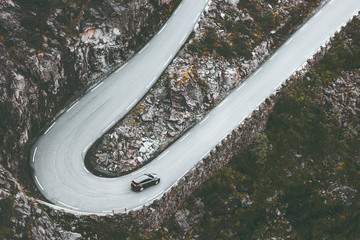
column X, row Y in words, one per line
column 199, row 77
column 22, row 218
column 51, row 52
column 341, row 94
column 47, row 63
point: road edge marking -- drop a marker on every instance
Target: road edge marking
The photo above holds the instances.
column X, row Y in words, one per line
column 144, row 48
column 131, row 105
column 108, row 127
column 148, row 86
column 162, row 28
column 121, row 67
column 72, row 106
column 163, row 155
column 197, row 18
column 68, row 205
column 34, row 154
column 273, row 56
column 178, row 8
column 168, row 61
column 257, row 71
column 305, row 26
column 96, row 87
column 223, row 102
column 238, row 89
column 49, row 128
column 204, row 119
column 87, row 147
column 37, row 180
column 138, row 171
column 289, row 41
column 183, row 39
column 183, row 138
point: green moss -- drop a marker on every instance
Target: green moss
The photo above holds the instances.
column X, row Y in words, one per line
column 6, row 213
column 244, row 35
column 269, row 176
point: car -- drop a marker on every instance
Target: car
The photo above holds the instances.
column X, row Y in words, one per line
column 144, row 181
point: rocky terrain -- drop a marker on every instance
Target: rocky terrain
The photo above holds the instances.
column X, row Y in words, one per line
column 50, row 53
column 317, row 193
column 53, row 51
column 232, row 39
column 21, row 218
column 299, row 177
column 293, row 172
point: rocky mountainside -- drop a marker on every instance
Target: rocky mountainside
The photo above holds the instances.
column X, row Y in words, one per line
column 21, row 218
column 232, row 39
column 299, row 179
column 50, row 53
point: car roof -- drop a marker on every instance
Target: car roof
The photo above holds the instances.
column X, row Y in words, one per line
column 142, row 178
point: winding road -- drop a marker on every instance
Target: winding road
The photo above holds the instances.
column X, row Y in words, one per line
column 57, row 156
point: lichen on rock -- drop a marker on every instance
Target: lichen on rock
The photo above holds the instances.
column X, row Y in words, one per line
column 229, row 43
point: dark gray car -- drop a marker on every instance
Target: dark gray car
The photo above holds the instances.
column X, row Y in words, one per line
column 144, row 181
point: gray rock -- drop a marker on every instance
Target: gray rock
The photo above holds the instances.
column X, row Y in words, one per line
column 70, row 235
column 148, row 116
column 147, row 144
column 140, row 159
column 143, row 150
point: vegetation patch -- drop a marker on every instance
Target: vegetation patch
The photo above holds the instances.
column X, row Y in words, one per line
column 299, row 178
column 263, row 22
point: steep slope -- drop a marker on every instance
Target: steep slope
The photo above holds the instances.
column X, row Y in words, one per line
column 50, row 53
column 299, row 178
column 232, row 40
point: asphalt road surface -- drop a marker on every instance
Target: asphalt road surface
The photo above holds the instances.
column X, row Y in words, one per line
column 57, row 156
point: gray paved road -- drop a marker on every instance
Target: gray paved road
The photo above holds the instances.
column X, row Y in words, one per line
column 57, row 157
